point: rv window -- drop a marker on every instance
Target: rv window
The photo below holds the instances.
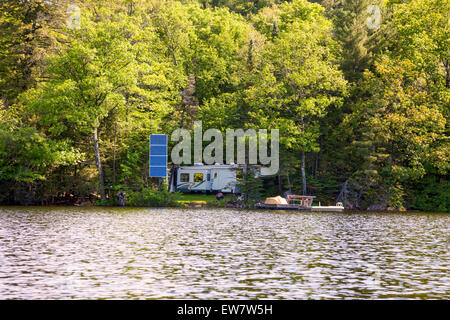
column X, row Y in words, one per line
column 215, row 175
column 208, row 177
column 198, row 177
column 239, row 175
column 184, row 177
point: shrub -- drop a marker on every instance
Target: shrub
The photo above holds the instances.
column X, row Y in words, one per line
column 152, row 198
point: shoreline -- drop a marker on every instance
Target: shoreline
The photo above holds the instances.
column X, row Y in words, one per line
column 222, row 207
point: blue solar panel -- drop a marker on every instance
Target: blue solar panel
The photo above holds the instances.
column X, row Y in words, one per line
column 158, row 139
column 159, row 172
column 158, row 155
column 158, row 161
column 158, row 150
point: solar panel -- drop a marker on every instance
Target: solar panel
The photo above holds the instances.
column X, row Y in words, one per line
column 158, row 156
column 158, row 139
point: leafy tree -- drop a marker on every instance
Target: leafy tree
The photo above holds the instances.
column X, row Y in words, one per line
column 422, row 35
column 26, row 157
column 250, row 185
column 401, row 117
column 93, row 77
column 83, row 101
column 431, row 193
column 28, row 32
column 400, row 126
column 299, row 80
column 244, row 7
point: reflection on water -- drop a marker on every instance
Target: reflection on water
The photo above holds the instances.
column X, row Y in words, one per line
column 78, row 253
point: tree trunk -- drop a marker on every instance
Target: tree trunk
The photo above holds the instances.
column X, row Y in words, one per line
column 280, row 184
column 175, row 62
column 303, row 163
column 447, row 69
column 316, row 166
column 99, row 163
column 244, row 178
column 288, row 180
column 303, row 173
column 114, row 152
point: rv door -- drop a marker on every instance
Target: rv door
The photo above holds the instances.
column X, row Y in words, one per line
column 209, row 180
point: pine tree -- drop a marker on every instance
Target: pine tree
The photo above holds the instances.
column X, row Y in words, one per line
column 27, row 36
column 351, row 30
column 188, row 109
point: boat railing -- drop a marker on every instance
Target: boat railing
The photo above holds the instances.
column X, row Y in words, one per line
column 304, row 201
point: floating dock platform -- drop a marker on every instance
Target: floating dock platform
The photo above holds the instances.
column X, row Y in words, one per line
column 298, row 207
column 327, row 208
column 281, row 206
column 304, row 203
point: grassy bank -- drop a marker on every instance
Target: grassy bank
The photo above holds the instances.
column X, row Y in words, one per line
column 202, row 199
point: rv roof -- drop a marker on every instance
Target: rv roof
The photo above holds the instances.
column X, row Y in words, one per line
column 206, row 167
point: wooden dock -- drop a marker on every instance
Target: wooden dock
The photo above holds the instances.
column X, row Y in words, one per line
column 303, row 201
column 295, row 202
column 327, row 208
column 281, row 206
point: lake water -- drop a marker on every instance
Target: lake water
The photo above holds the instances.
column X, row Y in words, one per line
column 128, row 253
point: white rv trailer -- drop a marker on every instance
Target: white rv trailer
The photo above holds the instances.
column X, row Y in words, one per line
column 206, row 178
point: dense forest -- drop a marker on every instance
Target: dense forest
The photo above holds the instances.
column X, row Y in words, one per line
column 359, row 89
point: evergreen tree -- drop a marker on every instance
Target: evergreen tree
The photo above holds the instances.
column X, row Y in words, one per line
column 28, row 33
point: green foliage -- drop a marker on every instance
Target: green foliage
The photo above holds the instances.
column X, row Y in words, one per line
column 250, row 185
column 28, row 33
column 358, row 41
column 152, row 198
column 26, row 159
column 26, row 155
column 87, row 80
column 244, row 7
column 432, row 193
column 400, row 119
column 210, row 200
column 356, row 107
column 298, row 80
column 323, row 187
column 106, row 203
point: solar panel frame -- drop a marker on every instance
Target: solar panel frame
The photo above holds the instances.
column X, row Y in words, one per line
column 158, row 144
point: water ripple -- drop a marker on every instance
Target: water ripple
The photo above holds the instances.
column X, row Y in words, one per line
column 105, row 253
